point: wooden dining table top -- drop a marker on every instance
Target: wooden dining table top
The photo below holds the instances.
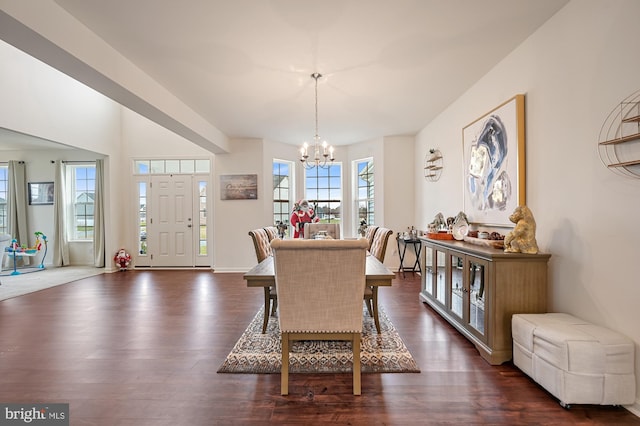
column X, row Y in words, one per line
column 263, row 274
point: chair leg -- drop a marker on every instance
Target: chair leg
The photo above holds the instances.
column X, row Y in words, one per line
column 284, row 371
column 367, row 301
column 274, row 307
column 267, row 302
column 355, row 343
column 374, row 298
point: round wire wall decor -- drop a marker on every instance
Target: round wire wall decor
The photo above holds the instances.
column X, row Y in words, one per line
column 433, row 165
column 619, row 139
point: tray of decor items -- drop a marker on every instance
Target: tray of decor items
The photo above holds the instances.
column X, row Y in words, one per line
column 442, row 235
column 486, row 239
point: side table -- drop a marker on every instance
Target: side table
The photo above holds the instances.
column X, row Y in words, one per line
column 417, row 248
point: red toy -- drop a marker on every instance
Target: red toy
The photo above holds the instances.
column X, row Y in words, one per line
column 122, row 259
column 302, row 213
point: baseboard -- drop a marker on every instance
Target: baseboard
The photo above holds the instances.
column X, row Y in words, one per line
column 232, row 270
column 634, row 408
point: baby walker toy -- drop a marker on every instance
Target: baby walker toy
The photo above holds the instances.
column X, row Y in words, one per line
column 16, row 251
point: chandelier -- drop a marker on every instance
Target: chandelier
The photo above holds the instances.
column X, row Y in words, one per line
column 322, row 152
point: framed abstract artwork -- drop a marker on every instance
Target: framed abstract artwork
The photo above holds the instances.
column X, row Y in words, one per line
column 493, row 149
column 238, row 187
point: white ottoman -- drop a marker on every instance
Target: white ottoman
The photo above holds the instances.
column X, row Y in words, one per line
column 577, row 362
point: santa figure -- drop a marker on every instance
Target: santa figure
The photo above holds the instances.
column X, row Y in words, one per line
column 302, row 213
column 122, row 259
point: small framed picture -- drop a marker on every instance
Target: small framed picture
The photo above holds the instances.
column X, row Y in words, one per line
column 40, row 193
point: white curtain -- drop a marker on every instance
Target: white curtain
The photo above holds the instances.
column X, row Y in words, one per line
column 98, row 218
column 17, row 204
column 61, row 242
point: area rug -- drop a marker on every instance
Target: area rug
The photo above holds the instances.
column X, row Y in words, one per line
column 259, row 353
column 32, row 279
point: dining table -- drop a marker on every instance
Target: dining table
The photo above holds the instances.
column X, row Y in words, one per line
column 377, row 275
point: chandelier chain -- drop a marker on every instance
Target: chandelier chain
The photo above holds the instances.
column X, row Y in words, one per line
column 322, row 154
column 316, row 76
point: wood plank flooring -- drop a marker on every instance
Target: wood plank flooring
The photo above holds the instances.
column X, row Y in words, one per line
column 143, row 347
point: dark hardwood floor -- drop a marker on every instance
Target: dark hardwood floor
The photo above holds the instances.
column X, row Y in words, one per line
column 142, row 348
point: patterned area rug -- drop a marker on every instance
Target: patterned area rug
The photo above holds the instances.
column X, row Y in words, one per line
column 259, row 353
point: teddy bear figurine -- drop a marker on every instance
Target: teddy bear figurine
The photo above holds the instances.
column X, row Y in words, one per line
column 523, row 237
column 122, row 259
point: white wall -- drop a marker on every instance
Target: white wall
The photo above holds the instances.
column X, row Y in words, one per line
column 398, row 187
column 233, row 249
column 574, row 70
column 40, row 101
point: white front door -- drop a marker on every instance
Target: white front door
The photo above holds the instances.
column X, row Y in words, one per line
column 171, row 224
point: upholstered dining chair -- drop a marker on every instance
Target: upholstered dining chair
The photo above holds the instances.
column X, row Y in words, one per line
column 261, row 243
column 331, row 273
column 378, row 249
column 369, row 234
column 272, row 232
column 312, row 229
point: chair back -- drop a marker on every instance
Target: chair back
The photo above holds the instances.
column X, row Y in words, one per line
column 369, row 233
column 320, row 284
column 312, row 229
column 260, row 243
column 272, row 232
column 379, row 245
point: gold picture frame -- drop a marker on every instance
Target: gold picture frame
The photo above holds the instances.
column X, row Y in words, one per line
column 494, row 173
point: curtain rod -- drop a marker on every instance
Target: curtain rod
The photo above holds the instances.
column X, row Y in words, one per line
column 76, row 162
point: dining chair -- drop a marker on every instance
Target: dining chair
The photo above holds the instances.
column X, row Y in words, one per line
column 369, row 234
column 312, row 229
column 378, row 249
column 331, row 273
column 272, row 232
column 261, row 244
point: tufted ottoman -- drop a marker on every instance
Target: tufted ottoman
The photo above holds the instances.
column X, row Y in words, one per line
column 577, row 362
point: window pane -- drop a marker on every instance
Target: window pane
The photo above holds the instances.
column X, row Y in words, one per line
column 4, row 184
column 202, row 166
column 142, row 218
column 82, row 191
column 187, row 166
column 172, row 166
column 365, row 191
column 323, row 186
column 157, row 166
column 281, row 172
column 202, row 218
column 141, row 167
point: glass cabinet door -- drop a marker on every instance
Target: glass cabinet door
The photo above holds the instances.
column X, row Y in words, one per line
column 457, row 290
column 430, row 270
column 440, row 276
column 478, row 270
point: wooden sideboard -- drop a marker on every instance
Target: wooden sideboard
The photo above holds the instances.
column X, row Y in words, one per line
column 477, row 289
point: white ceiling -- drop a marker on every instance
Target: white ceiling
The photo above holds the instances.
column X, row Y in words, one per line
column 389, row 67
